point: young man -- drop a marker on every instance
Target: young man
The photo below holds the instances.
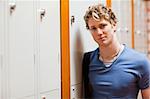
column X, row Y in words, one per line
column 112, row 71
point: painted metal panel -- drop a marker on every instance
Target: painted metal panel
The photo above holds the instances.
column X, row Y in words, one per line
column 80, row 41
column 80, row 38
column 122, row 10
column 49, row 46
column 2, row 5
column 21, row 49
column 55, row 94
column 140, row 26
column 76, row 91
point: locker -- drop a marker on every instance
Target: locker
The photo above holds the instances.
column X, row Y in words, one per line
column 21, row 49
column 3, row 52
column 1, row 44
column 80, row 41
column 141, row 44
column 140, row 27
column 49, row 47
column 80, row 38
column 122, row 10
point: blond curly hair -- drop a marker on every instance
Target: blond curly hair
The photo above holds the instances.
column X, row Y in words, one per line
column 99, row 12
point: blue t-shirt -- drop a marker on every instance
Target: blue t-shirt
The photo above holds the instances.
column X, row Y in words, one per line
column 129, row 73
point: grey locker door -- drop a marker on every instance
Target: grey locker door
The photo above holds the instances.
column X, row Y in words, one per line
column 80, row 41
column 1, row 45
column 21, row 49
column 49, row 48
column 122, row 10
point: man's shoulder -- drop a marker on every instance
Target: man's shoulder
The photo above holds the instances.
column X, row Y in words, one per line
column 91, row 52
column 135, row 53
column 138, row 57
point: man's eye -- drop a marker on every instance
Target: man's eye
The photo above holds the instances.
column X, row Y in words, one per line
column 102, row 26
column 93, row 29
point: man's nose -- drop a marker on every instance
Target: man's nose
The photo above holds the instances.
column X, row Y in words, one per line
column 99, row 31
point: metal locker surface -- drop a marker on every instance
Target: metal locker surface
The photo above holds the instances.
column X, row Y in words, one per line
column 49, row 47
column 55, row 94
column 80, row 41
column 1, row 44
column 123, row 13
column 80, row 38
column 21, row 58
column 140, row 26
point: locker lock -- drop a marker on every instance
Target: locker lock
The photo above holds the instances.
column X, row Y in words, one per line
column 12, row 7
column 126, row 29
column 42, row 13
column 72, row 19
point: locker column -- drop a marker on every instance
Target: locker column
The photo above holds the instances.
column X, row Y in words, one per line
column 122, row 10
column 21, row 58
column 140, row 26
column 48, row 49
column 2, row 5
column 80, row 41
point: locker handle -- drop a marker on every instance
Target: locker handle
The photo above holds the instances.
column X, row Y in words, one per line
column 42, row 13
column 12, row 7
column 72, row 19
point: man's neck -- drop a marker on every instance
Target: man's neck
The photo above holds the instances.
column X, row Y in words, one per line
column 110, row 51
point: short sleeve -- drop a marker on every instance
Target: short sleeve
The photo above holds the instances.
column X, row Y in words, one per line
column 144, row 81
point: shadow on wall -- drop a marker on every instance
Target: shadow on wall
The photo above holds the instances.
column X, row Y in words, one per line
column 78, row 56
